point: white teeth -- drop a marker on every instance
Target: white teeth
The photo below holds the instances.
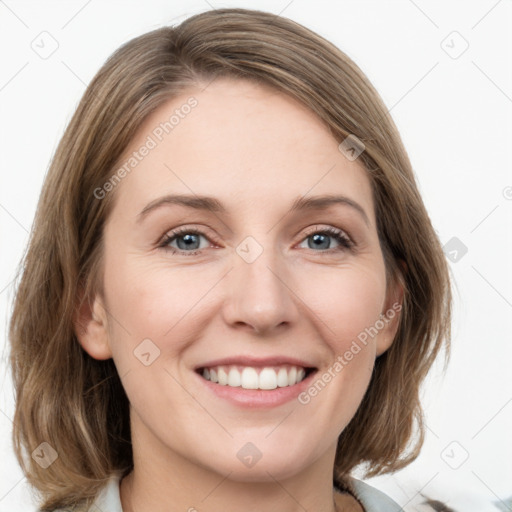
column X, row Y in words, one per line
column 234, row 379
column 248, row 377
column 223, row 376
column 292, row 376
column 268, row 379
column 282, row 377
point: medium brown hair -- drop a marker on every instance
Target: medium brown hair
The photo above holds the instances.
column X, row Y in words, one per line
column 76, row 403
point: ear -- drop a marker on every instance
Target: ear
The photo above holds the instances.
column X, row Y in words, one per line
column 391, row 314
column 91, row 327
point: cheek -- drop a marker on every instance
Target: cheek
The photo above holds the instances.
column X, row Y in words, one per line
column 157, row 303
column 346, row 303
column 347, row 300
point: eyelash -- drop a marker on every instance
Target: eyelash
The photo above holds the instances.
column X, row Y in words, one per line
column 345, row 242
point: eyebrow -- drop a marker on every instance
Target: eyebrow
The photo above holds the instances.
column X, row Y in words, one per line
column 211, row 204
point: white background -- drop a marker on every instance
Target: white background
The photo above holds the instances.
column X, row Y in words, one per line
column 454, row 115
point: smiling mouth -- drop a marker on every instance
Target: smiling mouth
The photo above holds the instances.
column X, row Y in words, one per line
column 250, row 377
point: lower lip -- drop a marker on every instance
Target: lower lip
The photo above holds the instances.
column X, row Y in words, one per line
column 258, row 398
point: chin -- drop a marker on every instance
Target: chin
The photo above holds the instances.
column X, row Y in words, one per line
column 248, row 463
column 262, row 471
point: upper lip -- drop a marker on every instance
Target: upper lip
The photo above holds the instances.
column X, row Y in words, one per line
column 255, row 362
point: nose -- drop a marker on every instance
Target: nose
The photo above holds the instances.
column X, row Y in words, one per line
column 259, row 294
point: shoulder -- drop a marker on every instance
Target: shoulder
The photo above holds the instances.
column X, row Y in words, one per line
column 371, row 498
column 108, row 500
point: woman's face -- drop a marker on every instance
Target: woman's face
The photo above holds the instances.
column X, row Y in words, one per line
column 263, row 285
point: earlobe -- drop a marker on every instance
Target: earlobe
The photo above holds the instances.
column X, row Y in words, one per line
column 91, row 328
column 390, row 317
column 390, row 321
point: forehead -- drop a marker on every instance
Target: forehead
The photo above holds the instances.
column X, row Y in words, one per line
column 242, row 142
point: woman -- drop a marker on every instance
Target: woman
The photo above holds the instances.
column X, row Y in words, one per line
column 233, row 290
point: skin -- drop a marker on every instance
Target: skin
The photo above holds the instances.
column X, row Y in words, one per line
column 256, row 150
